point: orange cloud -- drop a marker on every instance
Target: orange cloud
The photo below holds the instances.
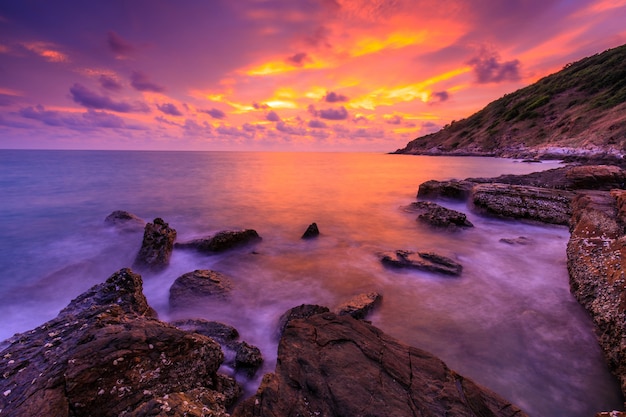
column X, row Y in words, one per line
column 46, row 51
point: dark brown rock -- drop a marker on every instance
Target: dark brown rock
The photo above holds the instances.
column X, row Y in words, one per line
column 522, row 240
column 156, row 247
column 360, row 305
column 435, row 215
column 220, row 332
column 425, row 261
column 107, row 355
column 125, row 221
column 311, row 232
column 453, row 189
column 523, row 202
column 222, row 241
column 299, row 312
column 199, row 287
column 248, row 357
column 331, row 365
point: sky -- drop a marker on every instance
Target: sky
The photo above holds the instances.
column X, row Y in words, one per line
column 277, row 75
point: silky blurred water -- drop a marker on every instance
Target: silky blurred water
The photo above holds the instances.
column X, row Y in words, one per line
column 509, row 322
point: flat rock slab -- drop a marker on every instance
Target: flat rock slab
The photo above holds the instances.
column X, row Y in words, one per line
column 199, row 287
column 436, row 215
column 222, row 241
column 425, row 261
column 360, row 305
column 330, row 365
column 452, row 189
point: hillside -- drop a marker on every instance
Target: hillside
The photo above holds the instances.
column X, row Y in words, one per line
column 578, row 110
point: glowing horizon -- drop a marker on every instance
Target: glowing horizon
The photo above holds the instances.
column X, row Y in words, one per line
column 275, row 74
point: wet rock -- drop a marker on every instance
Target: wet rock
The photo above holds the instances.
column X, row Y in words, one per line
column 248, row 357
column 523, row 202
column 156, row 247
column 199, row 287
column 222, row 241
column 220, row 332
column 596, row 177
column 311, row 232
column 300, row 312
column 330, row 365
column 438, row 216
column 522, row 240
column 359, row 306
column 125, row 221
column 596, row 261
column 425, row 261
column 453, row 189
column 611, row 414
column 106, row 354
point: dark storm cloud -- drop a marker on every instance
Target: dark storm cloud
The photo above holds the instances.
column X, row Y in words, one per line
column 118, row 45
column 332, row 97
column 488, row 68
column 83, row 96
column 298, row 59
column 317, row 124
column 214, row 113
column 109, row 83
column 141, row 82
column 272, row 116
column 169, row 108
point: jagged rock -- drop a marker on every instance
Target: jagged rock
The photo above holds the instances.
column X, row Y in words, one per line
column 426, row 261
column 359, row 306
column 199, row 287
column 222, row 241
column 596, row 261
column 125, row 221
column 330, row 365
column 156, row 248
column 106, row 354
column 299, row 312
column 248, row 356
column 438, row 216
column 453, row 189
column 311, row 232
column 523, row 202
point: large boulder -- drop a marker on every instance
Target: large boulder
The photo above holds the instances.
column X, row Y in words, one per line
column 596, row 260
column 523, row 202
column 156, row 247
column 222, row 241
column 425, row 261
column 330, row 365
column 107, row 354
column 452, row 189
column 435, row 215
column 199, row 287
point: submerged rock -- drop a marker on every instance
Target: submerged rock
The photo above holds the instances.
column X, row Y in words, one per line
column 330, row 365
column 156, row 247
column 359, row 306
column 106, row 354
column 199, row 287
column 222, row 241
column 521, row 240
column 125, row 221
column 425, row 261
column 311, row 232
column 438, row 216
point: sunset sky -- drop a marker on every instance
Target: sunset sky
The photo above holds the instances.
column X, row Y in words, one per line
column 275, row 74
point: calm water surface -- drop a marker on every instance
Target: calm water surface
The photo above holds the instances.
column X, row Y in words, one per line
column 509, row 322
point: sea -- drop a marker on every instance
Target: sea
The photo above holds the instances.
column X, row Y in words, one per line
column 508, row 322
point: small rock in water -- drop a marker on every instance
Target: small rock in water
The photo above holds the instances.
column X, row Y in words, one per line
column 222, row 241
column 125, row 221
column 438, row 216
column 156, row 248
column 359, row 306
column 311, row 232
column 522, row 240
column 198, row 287
column 425, row 261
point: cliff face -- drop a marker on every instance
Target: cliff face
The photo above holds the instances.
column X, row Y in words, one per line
column 578, row 110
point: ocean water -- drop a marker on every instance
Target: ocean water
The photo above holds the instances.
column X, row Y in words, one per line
column 509, row 322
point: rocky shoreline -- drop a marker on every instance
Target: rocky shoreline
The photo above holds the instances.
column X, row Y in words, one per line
column 108, row 354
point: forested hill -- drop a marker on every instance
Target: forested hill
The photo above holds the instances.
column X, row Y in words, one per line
column 580, row 109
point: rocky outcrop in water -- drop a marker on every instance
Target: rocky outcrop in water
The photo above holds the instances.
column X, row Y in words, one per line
column 360, row 305
column 156, row 247
column 311, row 232
column 452, row 189
column 222, row 241
column 436, row 215
column 424, row 261
column 198, row 287
column 125, row 221
column 330, row 365
column 106, row 354
column 596, row 260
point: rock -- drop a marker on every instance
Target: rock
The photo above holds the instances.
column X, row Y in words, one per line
column 439, row 216
column 248, row 357
column 611, row 414
column 311, row 232
column 156, row 248
column 106, row 354
column 596, row 177
column 523, row 202
column 453, row 189
column 425, row 261
column 125, row 221
column 220, row 332
column 299, row 312
column 330, row 365
column 359, row 306
column 596, row 261
column 522, row 240
column 222, row 241
column 199, row 287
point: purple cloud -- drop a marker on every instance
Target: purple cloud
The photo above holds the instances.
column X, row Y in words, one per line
column 141, row 82
column 272, row 116
column 109, row 83
column 332, row 97
column 394, row 120
column 298, row 59
column 83, row 96
column 214, row 113
column 169, row 108
column 439, row 96
column 260, row 106
column 88, row 120
column 488, row 68
column 329, row 114
column 118, row 44
column 317, row 124
column 290, row 130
